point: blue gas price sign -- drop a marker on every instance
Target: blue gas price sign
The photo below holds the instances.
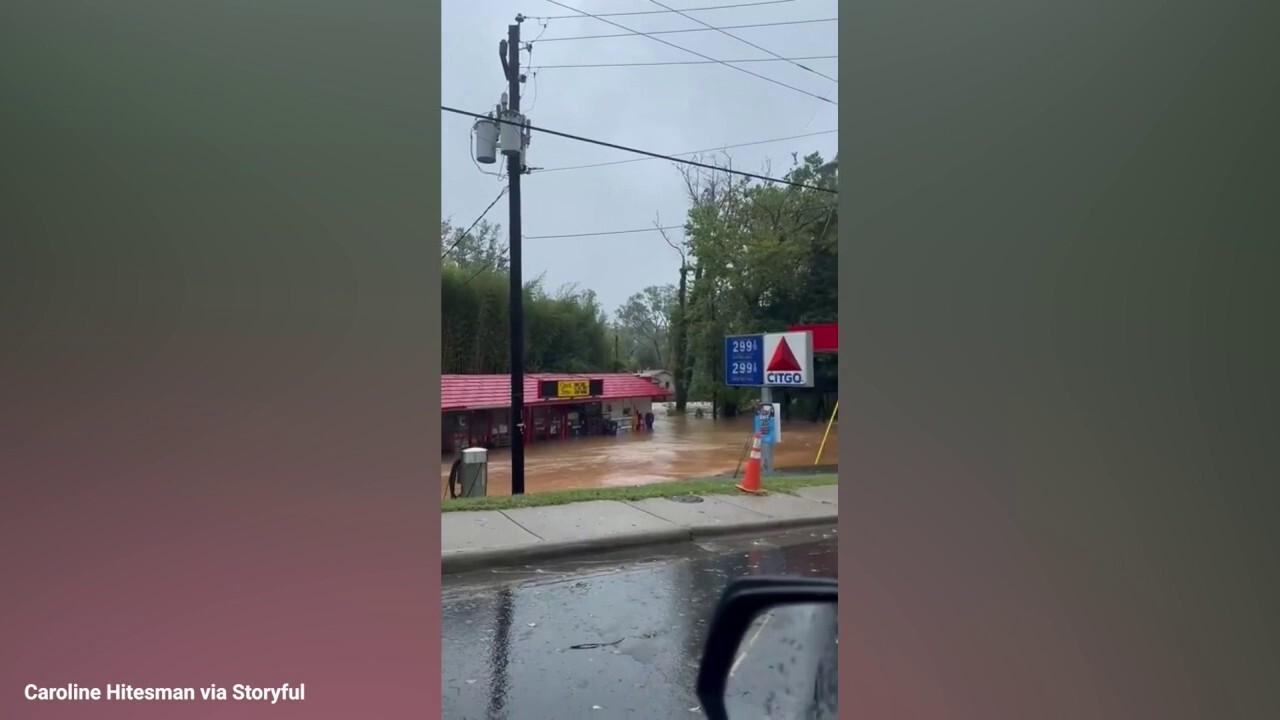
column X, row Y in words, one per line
column 744, row 360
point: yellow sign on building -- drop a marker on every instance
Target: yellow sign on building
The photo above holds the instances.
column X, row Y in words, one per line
column 568, row 389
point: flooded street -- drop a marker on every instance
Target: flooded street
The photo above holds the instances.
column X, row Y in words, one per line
column 679, row 447
column 617, row 637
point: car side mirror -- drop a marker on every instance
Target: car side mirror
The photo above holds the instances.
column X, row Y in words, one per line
column 797, row 658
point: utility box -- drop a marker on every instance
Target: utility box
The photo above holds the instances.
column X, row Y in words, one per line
column 486, row 136
column 511, row 133
column 473, row 474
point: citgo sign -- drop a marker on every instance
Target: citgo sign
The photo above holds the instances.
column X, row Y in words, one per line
column 788, row 359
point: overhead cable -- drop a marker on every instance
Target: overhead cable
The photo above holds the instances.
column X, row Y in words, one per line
column 647, row 153
column 690, row 152
column 695, row 52
column 664, row 12
column 680, row 31
column 474, row 224
column 744, row 41
column 607, row 232
column 679, row 62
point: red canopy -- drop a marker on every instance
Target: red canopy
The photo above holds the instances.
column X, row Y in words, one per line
column 826, row 336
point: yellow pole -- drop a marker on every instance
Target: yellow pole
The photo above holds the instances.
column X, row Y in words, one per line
column 830, row 422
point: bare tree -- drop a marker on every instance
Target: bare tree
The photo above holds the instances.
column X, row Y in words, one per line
column 681, row 370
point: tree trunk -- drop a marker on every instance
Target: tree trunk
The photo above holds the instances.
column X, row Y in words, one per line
column 681, row 371
column 657, row 350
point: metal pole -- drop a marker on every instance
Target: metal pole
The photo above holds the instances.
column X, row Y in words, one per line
column 515, row 167
column 830, row 422
column 766, row 449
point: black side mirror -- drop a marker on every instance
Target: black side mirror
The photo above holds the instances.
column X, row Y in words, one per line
column 745, row 601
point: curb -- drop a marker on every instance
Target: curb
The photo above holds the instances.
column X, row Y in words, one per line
column 505, row 557
column 708, row 532
column 465, row 561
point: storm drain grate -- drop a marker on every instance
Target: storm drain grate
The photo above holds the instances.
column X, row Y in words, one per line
column 686, row 499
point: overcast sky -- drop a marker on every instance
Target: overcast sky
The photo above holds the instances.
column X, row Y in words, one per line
column 666, row 109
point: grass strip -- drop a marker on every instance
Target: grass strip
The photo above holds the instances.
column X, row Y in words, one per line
column 712, row 486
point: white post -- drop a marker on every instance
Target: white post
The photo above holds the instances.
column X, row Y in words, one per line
column 766, row 448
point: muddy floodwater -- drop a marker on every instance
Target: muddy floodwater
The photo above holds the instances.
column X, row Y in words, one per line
column 679, row 447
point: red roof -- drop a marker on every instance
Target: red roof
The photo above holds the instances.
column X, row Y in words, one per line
column 479, row 392
column 826, row 336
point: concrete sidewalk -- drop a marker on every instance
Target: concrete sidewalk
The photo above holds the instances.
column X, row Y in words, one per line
column 490, row 538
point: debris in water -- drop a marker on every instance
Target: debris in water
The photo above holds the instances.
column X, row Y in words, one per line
column 593, row 646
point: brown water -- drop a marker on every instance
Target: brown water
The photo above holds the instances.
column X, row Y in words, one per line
column 679, row 447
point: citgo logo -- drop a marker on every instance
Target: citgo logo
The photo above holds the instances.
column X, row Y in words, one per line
column 783, row 368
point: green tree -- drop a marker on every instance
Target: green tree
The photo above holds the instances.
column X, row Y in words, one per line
column 763, row 257
column 482, row 247
column 565, row 331
column 644, row 320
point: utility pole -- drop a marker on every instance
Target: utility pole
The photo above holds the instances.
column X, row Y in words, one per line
column 515, row 168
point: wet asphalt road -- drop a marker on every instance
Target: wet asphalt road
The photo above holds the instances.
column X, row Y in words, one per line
column 621, row 636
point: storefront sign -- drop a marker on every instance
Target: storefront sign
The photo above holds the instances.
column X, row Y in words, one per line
column 569, row 389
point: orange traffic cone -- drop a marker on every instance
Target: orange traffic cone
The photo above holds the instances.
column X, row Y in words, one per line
column 751, row 478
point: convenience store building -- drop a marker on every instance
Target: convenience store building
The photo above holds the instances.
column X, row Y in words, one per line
column 477, row 408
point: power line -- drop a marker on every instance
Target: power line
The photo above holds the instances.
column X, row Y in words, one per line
column 680, row 62
column 474, row 224
column 660, row 228
column 489, row 265
column 695, row 52
column 483, row 268
column 664, row 12
column 647, row 153
column 680, row 31
column 691, row 152
column 722, row 31
column 599, row 234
